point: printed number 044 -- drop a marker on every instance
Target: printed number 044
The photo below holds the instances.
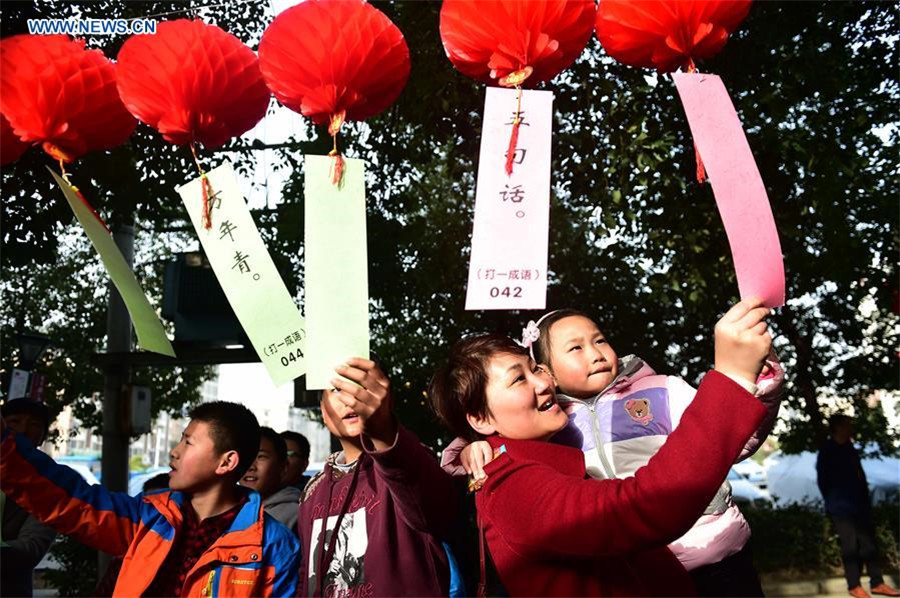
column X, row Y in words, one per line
column 506, row 291
column 291, row 357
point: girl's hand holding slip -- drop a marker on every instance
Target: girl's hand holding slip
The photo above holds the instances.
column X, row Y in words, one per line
column 743, row 340
column 474, row 457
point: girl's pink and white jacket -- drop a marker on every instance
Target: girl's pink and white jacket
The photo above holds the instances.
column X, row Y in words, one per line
column 622, row 427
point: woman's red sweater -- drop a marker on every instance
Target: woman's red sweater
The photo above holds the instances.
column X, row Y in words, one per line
column 551, row 532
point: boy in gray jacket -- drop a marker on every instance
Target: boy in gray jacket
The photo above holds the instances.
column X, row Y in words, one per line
column 265, row 474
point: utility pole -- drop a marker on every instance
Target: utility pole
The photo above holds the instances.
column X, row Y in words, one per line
column 116, row 436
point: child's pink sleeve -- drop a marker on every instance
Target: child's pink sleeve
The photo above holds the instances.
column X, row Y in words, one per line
column 770, row 386
column 450, row 462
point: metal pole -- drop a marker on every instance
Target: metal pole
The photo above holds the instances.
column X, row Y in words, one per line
column 114, row 456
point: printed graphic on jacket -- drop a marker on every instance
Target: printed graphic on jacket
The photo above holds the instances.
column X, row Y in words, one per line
column 345, row 574
column 642, row 413
column 639, row 410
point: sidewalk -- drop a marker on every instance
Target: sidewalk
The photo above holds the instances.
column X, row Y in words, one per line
column 832, row 586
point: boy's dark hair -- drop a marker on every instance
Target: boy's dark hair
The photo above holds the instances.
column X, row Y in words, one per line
column 301, row 441
column 232, row 427
column 837, row 420
column 34, row 408
column 277, row 441
column 541, row 348
column 458, row 388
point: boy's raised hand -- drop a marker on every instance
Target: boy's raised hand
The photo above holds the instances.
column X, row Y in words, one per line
column 369, row 397
column 743, row 340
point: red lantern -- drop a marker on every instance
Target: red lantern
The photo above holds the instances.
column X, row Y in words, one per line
column 11, row 147
column 56, row 93
column 489, row 40
column 667, row 34
column 511, row 42
column 192, row 82
column 324, row 57
column 334, row 60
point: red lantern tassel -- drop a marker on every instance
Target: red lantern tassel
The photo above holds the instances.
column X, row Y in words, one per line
column 514, row 134
column 337, row 168
column 89, row 207
column 701, row 170
column 511, row 150
column 207, row 191
column 79, row 194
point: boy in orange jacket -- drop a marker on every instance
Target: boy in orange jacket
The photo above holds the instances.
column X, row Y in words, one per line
column 204, row 536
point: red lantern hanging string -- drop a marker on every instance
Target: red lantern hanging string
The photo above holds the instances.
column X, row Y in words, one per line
column 337, row 168
column 515, row 79
column 65, row 177
column 207, row 190
column 701, row 170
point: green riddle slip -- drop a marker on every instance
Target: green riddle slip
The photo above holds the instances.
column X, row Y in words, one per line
column 151, row 336
column 248, row 276
column 337, row 281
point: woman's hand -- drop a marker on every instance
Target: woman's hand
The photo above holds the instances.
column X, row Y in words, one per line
column 743, row 340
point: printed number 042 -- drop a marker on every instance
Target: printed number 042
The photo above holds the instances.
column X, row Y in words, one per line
column 506, row 292
column 291, row 357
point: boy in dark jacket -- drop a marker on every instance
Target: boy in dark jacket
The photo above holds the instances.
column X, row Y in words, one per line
column 205, row 536
column 374, row 518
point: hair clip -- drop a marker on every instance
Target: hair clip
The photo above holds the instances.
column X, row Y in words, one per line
column 530, row 334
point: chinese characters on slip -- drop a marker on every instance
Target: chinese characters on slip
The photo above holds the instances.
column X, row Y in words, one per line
column 248, row 276
column 508, row 265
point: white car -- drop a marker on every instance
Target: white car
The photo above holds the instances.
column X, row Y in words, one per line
column 793, row 478
column 752, row 471
column 136, row 483
column 746, row 493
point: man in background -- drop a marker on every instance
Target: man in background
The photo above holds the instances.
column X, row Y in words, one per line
column 846, row 492
column 297, row 459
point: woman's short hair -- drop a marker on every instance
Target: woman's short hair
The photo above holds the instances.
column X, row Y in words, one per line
column 458, row 388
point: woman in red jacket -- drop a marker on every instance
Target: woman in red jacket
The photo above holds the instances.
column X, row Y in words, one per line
column 551, row 532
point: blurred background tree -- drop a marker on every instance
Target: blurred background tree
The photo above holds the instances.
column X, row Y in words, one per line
column 634, row 239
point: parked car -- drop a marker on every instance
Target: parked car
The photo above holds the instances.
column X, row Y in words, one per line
column 314, row 468
column 793, row 478
column 753, row 471
column 137, row 481
column 746, row 493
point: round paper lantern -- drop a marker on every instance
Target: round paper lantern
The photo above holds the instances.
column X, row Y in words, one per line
column 11, row 147
column 192, row 82
column 667, row 34
column 332, row 60
column 57, row 93
column 490, row 40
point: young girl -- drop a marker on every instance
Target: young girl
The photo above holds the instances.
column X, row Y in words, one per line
column 551, row 532
column 620, row 414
